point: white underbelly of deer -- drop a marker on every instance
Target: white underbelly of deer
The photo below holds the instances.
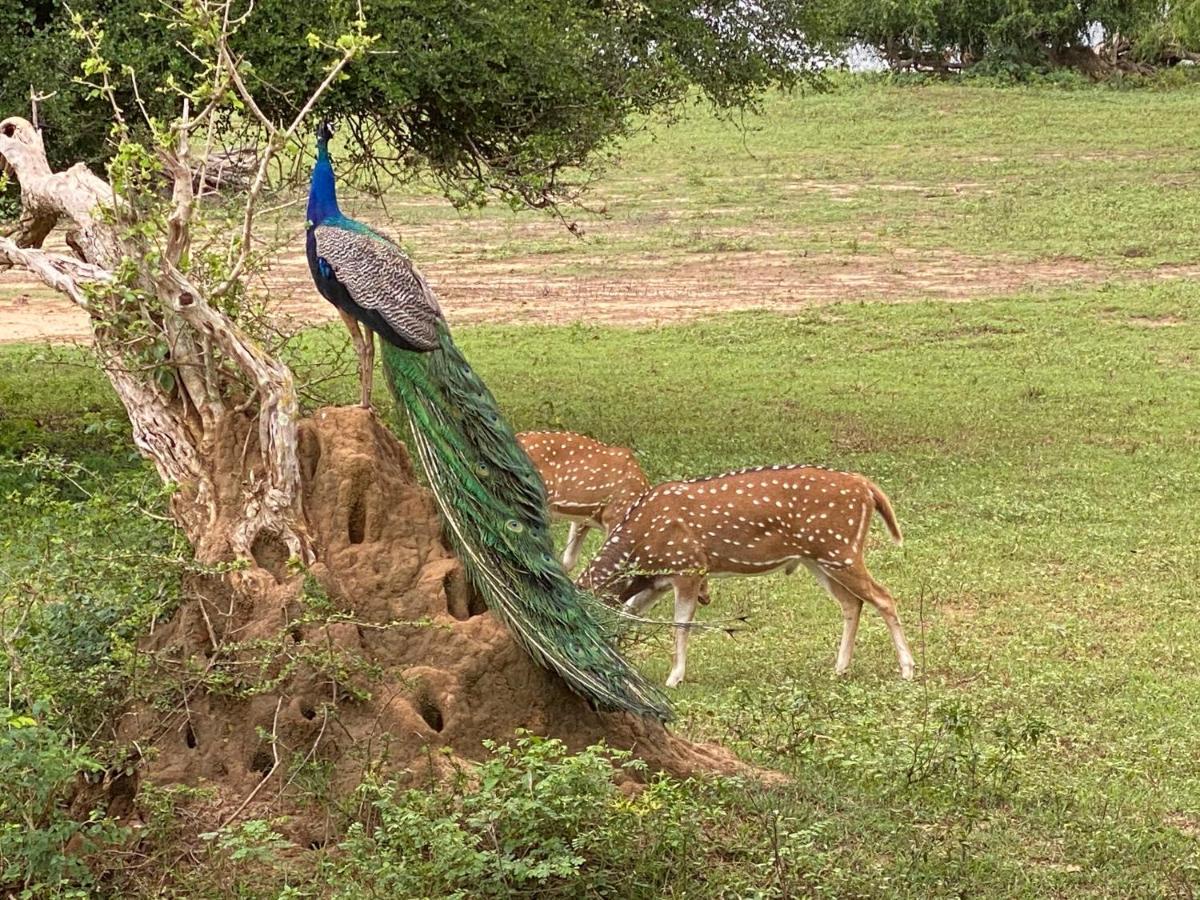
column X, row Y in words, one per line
column 751, row 522
column 578, row 515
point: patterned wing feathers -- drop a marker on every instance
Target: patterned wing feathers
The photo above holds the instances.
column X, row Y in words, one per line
column 379, row 277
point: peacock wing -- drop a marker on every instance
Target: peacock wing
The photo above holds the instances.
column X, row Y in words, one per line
column 380, row 278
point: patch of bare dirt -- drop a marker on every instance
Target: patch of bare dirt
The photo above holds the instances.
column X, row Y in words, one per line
column 1166, row 321
column 647, row 288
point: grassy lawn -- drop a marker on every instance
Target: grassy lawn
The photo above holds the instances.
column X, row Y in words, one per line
column 877, row 168
column 1042, row 452
column 1042, row 458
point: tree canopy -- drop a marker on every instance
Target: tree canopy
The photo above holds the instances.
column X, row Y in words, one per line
column 501, row 96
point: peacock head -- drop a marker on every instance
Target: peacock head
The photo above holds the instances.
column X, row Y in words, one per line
column 324, row 133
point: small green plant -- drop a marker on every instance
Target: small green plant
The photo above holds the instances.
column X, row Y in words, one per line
column 531, row 818
column 970, row 760
column 38, row 766
column 251, row 841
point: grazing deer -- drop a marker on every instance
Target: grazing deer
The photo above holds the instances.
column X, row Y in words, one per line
column 749, row 523
column 588, row 483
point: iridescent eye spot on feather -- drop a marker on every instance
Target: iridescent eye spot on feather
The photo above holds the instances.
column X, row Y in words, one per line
column 514, row 526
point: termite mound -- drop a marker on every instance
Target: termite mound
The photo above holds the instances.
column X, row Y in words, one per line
column 379, row 654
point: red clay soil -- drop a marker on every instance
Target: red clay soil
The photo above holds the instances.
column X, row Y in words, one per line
column 426, row 673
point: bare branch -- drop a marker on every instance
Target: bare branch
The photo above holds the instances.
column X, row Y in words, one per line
column 275, row 143
column 34, row 99
column 248, row 98
column 63, row 273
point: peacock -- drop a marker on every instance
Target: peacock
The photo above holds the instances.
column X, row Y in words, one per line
column 491, row 499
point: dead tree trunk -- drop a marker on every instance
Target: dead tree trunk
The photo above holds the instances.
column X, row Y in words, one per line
column 186, row 373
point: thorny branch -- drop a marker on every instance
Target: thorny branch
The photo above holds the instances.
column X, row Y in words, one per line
column 275, row 143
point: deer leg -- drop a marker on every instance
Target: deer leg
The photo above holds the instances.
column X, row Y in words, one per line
column 858, row 581
column 365, row 348
column 886, row 604
column 575, row 538
column 642, row 601
column 687, row 592
column 851, row 610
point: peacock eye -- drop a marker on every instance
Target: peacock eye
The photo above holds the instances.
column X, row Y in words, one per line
column 514, row 526
column 308, row 224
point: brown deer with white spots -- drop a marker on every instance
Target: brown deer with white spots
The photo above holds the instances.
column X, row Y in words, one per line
column 588, row 483
column 750, row 522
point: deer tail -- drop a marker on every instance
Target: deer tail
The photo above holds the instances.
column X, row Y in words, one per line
column 883, row 506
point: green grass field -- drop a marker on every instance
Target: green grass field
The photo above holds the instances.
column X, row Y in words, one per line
column 1041, row 452
column 875, row 167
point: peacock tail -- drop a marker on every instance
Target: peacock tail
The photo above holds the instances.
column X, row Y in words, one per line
column 493, row 504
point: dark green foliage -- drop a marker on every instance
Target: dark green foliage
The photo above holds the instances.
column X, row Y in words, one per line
column 500, row 96
column 1163, row 37
column 530, row 819
column 36, row 51
column 85, row 571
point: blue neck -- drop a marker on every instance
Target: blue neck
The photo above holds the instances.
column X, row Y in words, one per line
column 322, row 195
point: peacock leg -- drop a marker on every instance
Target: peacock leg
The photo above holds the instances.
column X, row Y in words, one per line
column 367, row 372
column 364, row 346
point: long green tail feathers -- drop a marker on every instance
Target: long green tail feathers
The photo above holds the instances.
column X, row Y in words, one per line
column 493, row 505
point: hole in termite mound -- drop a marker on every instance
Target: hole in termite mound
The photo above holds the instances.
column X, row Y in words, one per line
column 271, row 553
column 430, row 712
column 309, row 451
column 262, row 761
column 475, row 605
column 189, row 737
column 461, row 601
column 356, row 524
column 308, row 710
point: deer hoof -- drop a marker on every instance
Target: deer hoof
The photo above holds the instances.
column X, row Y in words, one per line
column 674, row 679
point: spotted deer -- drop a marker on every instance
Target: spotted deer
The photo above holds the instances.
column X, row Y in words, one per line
column 750, row 522
column 588, row 483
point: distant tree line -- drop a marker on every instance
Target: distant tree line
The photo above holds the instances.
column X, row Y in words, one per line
column 1016, row 35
